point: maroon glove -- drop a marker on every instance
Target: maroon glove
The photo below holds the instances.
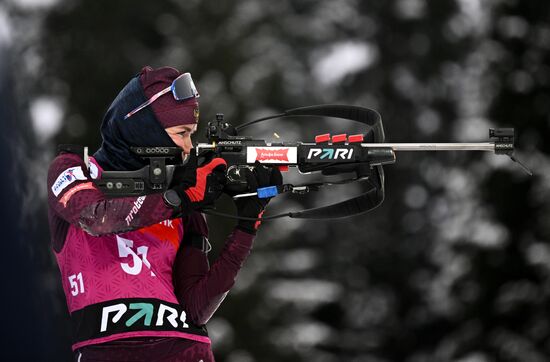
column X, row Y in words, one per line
column 253, row 206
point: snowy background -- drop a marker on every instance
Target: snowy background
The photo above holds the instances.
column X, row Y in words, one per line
column 454, row 266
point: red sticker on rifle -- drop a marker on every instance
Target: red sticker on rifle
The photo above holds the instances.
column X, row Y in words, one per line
column 278, row 155
column 271, row 154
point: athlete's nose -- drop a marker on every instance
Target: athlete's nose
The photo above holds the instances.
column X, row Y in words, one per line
column 187, row 145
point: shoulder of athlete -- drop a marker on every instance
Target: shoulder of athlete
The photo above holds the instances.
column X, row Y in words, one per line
column 68, row 170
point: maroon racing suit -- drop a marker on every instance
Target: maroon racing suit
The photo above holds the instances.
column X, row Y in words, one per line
column 103, row 285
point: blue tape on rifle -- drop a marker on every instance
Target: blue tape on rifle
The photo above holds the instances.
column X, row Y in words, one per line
column 266, row 192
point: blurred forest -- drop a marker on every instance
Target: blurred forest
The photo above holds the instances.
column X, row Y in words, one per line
column 454, row 266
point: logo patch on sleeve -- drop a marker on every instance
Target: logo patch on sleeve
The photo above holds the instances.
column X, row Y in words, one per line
column 66, row 178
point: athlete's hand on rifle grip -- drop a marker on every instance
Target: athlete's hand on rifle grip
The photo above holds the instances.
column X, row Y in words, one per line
column 201, row 185
column 253, row 207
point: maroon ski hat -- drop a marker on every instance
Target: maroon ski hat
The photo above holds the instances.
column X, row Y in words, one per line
column 169, row 111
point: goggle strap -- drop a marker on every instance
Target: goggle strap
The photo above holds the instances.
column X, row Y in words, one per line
column 148, row 102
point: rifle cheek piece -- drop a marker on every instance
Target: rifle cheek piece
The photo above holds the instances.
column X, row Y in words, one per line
column 153, row 178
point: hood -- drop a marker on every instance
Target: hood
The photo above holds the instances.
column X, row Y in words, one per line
column 119, row 134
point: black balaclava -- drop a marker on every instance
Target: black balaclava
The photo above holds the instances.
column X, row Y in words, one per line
column 119, row 134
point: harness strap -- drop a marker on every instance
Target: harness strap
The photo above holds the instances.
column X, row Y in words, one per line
column 373, row 177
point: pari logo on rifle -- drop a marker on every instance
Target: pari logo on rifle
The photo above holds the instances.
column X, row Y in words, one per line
column 330, row 154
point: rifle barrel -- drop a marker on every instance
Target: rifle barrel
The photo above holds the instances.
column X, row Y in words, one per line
column 482, row 146
column 485, row 146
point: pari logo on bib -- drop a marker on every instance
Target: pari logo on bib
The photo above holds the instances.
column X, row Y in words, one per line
column 66, row 178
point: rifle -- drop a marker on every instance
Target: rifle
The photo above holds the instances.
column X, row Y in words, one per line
column 362, row 155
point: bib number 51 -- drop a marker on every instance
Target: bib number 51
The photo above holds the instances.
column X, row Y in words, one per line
column 125, row 249
column 77, row 284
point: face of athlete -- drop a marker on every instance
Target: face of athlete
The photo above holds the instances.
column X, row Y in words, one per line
column 181, row 135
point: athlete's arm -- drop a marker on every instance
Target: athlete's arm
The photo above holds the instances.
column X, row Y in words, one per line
column 73, row 196
column 200, row 289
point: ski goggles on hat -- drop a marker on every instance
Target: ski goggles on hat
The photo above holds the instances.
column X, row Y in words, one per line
column 182, row 88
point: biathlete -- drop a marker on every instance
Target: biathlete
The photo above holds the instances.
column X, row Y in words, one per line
column 134, row 269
